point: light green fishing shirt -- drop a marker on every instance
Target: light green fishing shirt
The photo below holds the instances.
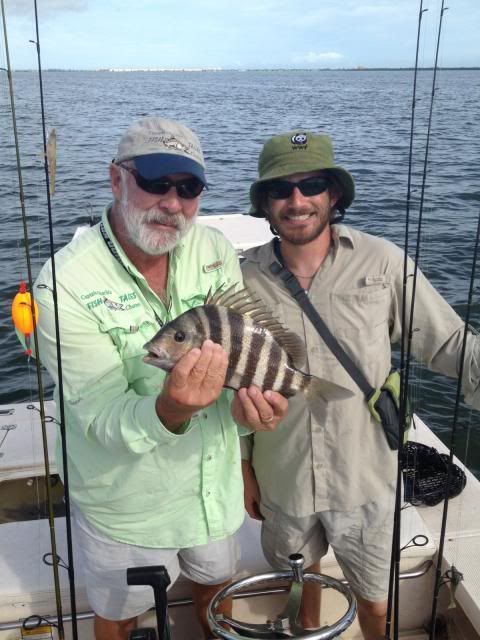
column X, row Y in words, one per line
column 132, row 478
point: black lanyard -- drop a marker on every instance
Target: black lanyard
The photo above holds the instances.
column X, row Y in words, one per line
column 113, row 250
column 279, row 268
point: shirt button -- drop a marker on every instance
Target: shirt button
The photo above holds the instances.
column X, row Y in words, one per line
column 205, row 416
column 209, row 457
column 207, row 494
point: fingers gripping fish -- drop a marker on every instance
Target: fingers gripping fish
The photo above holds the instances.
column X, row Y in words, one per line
column 260, row 350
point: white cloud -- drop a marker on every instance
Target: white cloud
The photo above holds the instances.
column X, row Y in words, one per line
column 318, row 58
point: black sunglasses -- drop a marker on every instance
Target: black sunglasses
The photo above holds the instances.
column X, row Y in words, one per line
column 283, row 189
column 187, row 188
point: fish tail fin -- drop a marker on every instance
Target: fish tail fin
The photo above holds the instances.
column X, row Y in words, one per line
column 319, row 391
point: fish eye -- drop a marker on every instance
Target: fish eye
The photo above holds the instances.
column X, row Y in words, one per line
column 179, row 336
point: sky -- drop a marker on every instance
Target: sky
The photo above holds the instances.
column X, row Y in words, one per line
column 240, row 34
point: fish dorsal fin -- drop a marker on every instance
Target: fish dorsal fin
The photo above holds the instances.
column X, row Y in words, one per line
column 246, row 303
column 213, row 296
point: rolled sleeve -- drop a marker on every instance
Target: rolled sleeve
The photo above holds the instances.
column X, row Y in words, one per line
column 471, row 371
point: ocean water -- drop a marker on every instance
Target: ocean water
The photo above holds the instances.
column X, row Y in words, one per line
column 368, row 115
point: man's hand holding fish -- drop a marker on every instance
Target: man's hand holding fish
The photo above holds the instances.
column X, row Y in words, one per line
column 259, row 411
column 197, row 380
column 194, row 383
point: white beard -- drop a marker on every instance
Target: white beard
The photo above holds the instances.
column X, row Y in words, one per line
column 151, row 240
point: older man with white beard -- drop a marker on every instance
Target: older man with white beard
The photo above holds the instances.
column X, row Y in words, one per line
column 154, row 462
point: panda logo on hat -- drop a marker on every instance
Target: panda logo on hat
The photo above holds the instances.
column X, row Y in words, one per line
column 299, row 139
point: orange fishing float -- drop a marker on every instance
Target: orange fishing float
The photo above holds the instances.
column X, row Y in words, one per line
column 22, row 316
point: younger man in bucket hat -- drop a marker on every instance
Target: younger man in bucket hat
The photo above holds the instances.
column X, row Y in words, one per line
column 331, row 482
column 154, row 459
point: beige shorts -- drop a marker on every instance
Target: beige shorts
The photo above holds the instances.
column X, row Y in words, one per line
column 105, row 563
column 361, row 540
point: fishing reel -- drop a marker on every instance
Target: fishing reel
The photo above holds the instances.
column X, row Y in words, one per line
column 285, row 625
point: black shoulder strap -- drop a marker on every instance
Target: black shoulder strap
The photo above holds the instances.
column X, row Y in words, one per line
column 292, row 284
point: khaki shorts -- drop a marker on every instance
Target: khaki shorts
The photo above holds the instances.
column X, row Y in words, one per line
column 361, row 540
column 105, row 563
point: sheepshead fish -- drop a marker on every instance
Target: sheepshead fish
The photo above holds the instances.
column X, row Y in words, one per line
column 260, row 350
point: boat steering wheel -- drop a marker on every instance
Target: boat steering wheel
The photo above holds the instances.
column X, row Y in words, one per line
column 286, row 625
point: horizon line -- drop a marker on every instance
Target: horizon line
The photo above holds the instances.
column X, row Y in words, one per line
column 243, row 69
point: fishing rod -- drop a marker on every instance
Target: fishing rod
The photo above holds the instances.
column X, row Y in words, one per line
column 420, row 213
column 61, row 404
column 41, row 396
column 438, row 571
column 393, row 586
column 404, row 395
column 453, row 435
column 441, row 545
column 406, row 360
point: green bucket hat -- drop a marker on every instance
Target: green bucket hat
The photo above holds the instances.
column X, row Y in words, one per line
column 298, row 152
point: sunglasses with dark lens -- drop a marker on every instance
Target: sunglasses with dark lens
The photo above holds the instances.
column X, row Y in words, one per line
column 187, row 188
column 283, row 189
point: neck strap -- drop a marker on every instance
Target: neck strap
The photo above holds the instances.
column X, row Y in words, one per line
column 300, row 295
column 113, row 250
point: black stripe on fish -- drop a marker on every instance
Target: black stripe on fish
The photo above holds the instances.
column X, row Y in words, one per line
column 286, row 388
column 256, row 344
column 196, row 317
column 305, row 383
column 274, row 361
column 237, row 329
column 215, row 323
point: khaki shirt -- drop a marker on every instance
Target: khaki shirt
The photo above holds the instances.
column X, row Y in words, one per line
column 343, row 460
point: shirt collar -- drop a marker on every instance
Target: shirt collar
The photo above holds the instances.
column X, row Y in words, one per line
column 342, row 236
column 116, row 249
column 265, row 255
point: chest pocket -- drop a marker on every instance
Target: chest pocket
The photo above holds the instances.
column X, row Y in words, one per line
column 196, row 298
column 189, row 301
column 130, row 338
column 129, row 341
column 361, row 317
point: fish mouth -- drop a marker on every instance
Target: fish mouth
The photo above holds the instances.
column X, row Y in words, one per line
column 158, row 358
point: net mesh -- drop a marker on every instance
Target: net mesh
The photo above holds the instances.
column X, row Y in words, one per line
column 425, row 473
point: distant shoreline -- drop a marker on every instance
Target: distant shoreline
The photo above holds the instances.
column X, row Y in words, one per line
column 279, row 70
